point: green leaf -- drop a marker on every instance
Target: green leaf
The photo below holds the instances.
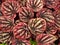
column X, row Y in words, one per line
column 33, row 42
column 3, row 44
